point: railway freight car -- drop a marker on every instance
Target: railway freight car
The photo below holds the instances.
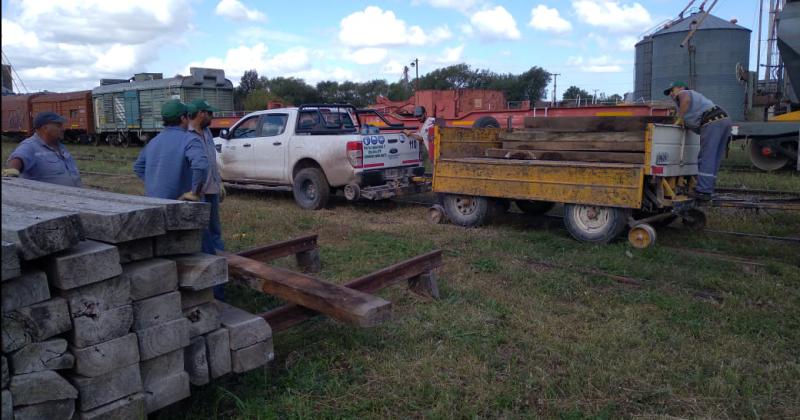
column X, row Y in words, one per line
column 130, row 112
column 76, row 107
column 17, row 120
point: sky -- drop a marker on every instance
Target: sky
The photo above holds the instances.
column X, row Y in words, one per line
column 65, row 45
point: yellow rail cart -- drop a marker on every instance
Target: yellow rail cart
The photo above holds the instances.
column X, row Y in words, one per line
column 637, row 180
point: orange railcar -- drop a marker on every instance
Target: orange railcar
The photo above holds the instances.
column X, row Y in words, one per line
column 76, row 107
column 17, row 117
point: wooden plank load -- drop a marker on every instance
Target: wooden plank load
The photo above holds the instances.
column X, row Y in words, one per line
column 107, row 304
column 581, row 139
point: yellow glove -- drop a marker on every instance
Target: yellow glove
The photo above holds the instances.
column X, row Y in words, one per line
column 679, row 121
column 189, row 196
column 10, row 172
column 222, row 192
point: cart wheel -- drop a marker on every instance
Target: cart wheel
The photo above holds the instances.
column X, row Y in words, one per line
column 436, row 214
column 595, row 223
column 694, row 219
column 465, row 210
column 642, row 236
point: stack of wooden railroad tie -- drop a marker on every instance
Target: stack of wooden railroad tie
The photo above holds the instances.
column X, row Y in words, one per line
column 107, row 305
column 577, row 139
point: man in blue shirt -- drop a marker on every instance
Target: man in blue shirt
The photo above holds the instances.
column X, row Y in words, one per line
column 174, row 164
column 42, row 157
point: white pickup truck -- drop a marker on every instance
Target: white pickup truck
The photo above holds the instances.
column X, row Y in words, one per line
column 315, row 150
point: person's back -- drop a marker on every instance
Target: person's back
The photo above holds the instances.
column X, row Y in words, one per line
column 164, row 165
column 697, row 106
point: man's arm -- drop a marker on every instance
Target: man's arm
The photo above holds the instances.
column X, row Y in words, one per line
column 139, row 166
column 198, row 161
column 684, row 100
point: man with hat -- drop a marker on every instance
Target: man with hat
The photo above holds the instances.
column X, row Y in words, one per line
column 213, row 192
column 173, row 164
column 699, row 114
column 42, row 157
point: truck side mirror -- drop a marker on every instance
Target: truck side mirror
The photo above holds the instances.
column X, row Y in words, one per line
column 224, row 133
column 419, row 111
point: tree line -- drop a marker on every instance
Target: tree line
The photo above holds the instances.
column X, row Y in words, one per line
column 254, row 91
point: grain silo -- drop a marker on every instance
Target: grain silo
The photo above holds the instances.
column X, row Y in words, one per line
column 707, row 64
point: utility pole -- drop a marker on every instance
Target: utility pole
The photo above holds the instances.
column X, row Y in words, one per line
column 555, row 79
column 415, row 64
column 594, row 98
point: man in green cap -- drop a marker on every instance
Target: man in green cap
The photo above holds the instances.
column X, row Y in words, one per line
column 699, row 114
column 213, row 192
column 174, row 164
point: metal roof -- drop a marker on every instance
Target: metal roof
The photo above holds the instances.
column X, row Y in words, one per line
column 710, row 22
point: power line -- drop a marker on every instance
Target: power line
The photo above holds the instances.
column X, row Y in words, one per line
column 14, row 79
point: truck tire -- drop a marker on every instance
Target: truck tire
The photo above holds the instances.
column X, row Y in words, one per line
column 311, row 189
column 535, row 207
column 597, row 224
column 465, row 210
column 486, row 122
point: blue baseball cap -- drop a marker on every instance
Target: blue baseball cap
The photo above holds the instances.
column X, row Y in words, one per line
column 47, row 117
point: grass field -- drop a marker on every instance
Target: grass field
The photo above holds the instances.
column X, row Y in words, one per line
column 514, row 336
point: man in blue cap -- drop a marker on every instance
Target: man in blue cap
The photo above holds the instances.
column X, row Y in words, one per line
column 699, row 114
column 174, row 164
column 213, row 192
column 42, row 157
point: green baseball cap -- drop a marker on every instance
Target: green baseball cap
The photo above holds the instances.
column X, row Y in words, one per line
column 198, row 105
column 675, row 84
column 173, row 109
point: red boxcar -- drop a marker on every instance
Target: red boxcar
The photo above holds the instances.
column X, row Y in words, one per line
column 17, row 115
column 76, row 107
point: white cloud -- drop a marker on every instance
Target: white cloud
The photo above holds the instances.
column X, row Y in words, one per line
column 394, row 68
column 374, row 27
column 238, row 60
column 627, row 43
column 234, row 9
column 613, row 15
column 601, row 64
column 546, row 19
column 70, row 44
column 461, row 5
column 467, row 29
column 451, row 55
column 365, row 56
column 495, row 23
column 293, row 59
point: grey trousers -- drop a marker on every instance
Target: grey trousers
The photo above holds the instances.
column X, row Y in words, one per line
column 713, row 140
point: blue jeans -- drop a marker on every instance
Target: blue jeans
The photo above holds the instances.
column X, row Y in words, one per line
column 212, row 237
column 713, row 141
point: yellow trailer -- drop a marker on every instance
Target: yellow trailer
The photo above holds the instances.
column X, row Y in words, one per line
column 601, row 199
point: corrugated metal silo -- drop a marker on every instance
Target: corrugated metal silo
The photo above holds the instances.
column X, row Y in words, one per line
column 643, row 70
column 718, row 46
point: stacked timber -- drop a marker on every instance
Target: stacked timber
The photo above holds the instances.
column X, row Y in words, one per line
column 107, row 309
column 582, row 139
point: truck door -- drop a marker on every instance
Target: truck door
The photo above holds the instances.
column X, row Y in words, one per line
column 237, row 153
column 271, row 146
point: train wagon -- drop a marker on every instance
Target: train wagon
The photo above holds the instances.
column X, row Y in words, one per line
column 622, row 174
column 130, row 112
column 17, row 115
column 76, row 107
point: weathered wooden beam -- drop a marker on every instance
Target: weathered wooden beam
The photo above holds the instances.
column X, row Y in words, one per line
column 289, row 315
column 599, row 146
column 595, row 123
column 37, row 232
column 538, row 136
column 180, row 215
column 281, row 249
column 102, row 220
column 338, row 302
column 580, row 156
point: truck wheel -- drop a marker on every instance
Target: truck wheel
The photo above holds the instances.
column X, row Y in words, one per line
column 597, row 224
column 311, row 189
column 465, row 210
column 535, row 207
column 486, row 122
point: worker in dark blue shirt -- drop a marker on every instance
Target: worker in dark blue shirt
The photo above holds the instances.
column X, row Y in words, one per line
column 174, row 164
column 42, row 157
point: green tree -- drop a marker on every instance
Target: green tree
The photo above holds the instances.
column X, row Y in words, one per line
column 614, row 98
column 400, row 91
column 247, row 84
column 258, row 99
column 293, row 90
column 574, row 92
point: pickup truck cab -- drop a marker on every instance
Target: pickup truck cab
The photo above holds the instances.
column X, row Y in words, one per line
column 315, row 150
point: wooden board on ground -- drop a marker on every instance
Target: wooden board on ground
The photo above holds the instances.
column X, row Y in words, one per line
column 578, row 124
column 580, row 156
column 180, row 215
column 338, row 302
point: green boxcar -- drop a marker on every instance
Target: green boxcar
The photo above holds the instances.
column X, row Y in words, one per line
column 130, row 111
